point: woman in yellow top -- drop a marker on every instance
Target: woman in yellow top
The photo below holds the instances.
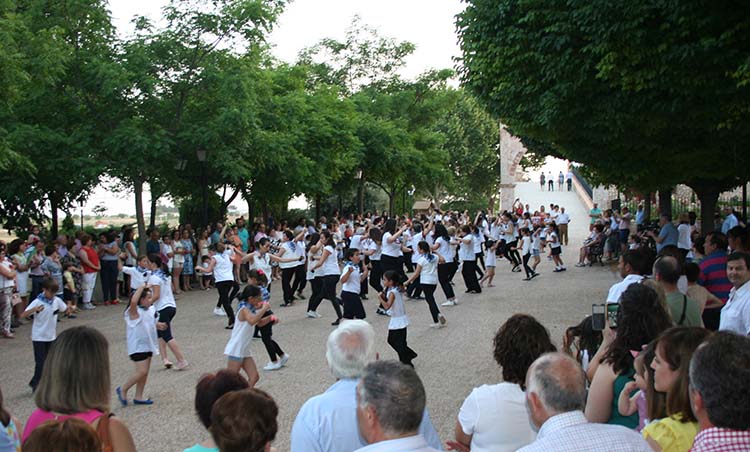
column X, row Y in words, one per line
column 674, row 349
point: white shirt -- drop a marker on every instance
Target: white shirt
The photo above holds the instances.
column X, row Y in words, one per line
column 240, row 342
column 526, row 245
column 571, row 432
column 141, row 332
column 378, row 250
column 553, row 243
column 478, row 240
column 398, row 311
column 683, row 237
column 415, row 443
column 44, row 328
column 496, row 417
column 466, row 250
column 355, row 242
column 414, row 245
column 166, row 298
column 352, row 284
column 263, row 263
column 445, row 249
column 618, row 288
column 563, row 218
column 735, row 315
column 138, row 276
column 223, row 268
column 328, row 422
column 6, row 283
column 290, row 251
column 331, row 264
column 429, row 273
column 391, row 249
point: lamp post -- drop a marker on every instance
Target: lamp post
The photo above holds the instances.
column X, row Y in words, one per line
column 80, row 202
column 201, row 155
column 411, row 203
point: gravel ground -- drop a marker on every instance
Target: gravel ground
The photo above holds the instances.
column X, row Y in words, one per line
column 451, row 361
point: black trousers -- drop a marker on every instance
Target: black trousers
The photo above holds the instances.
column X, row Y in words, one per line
column 286, row 284
column 468, row 271
column 414, row 289
column 327, row 291
column 526, row 267
column 393, row 263
column 41, row 349
column 109, row 280
column 273, row 349
column 453, row 268
column 444, row 276
column 225, row 289
column 353, row 308
column 711, row 318
column 376, row 274
column 480, row 261
column 300, row 278
column 36, row 286
column 397, row 340
column 429, row 296
column 363, row 285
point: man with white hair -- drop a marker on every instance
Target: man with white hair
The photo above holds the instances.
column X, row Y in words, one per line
column 555, row 398
column 390, row 406
column 328, row 422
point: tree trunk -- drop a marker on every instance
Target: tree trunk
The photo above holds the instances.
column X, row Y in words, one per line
column 53, row 207
column 138, row 193
column 391, row 204
column 152, row 217
column 647, row 207
column 226, row 203
column 708, row 195
column 361, row 196
column 317, row 209
column 665, row 202
column 265, row 213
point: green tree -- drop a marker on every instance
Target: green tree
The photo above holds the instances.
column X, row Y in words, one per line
column 643, row 93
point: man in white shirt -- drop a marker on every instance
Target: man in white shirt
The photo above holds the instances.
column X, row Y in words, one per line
column 390, row 406
column 631, row 266
column 328, row 422
column 562, row 224
column 735, row 315
column 555, row 397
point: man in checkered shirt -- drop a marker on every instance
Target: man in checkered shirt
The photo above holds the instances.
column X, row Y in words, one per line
column 555, row 397
column 720, row 393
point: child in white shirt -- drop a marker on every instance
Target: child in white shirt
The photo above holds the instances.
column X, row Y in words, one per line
column 392, row 299
column 44, row 308
column 143, row 344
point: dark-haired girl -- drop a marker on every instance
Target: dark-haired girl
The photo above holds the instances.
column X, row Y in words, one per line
column 468, row 258
column 392, row 257
column 221, row 266
column 249, row 315
column 328, row 267
column 163, row 298
column 141, row 334
column 289, row 248
column 351, row 285
column 392, row 299
column 443, row 248
column 427, row 272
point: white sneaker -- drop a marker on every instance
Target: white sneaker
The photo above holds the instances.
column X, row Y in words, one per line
column 435, row 325
column 273, row 365
column 449, row 303
column 313, row 315
column 442, row 320
column 217, row 312
column 284, row 359
column 88, row 307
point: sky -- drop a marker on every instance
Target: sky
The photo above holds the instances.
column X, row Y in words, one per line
column 429, row 24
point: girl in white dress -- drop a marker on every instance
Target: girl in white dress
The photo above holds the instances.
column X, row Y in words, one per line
column 249, row 314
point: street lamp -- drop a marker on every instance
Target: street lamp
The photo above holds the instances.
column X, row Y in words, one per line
column 360, row 191
column 80, row 202
column 200, row 154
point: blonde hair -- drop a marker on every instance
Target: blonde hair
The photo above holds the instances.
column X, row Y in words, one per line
column 75, row 378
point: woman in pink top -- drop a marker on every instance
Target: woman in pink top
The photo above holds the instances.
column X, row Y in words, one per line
column 71, row 386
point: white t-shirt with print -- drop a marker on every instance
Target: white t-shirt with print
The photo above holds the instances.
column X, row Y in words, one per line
column 44, row 328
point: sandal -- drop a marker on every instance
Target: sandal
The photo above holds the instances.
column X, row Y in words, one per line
column 123, row 400
column 143, row 402
column 168, row 364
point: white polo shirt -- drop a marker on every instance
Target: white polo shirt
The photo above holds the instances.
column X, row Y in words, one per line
column 617, row 289
column 735, row 315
